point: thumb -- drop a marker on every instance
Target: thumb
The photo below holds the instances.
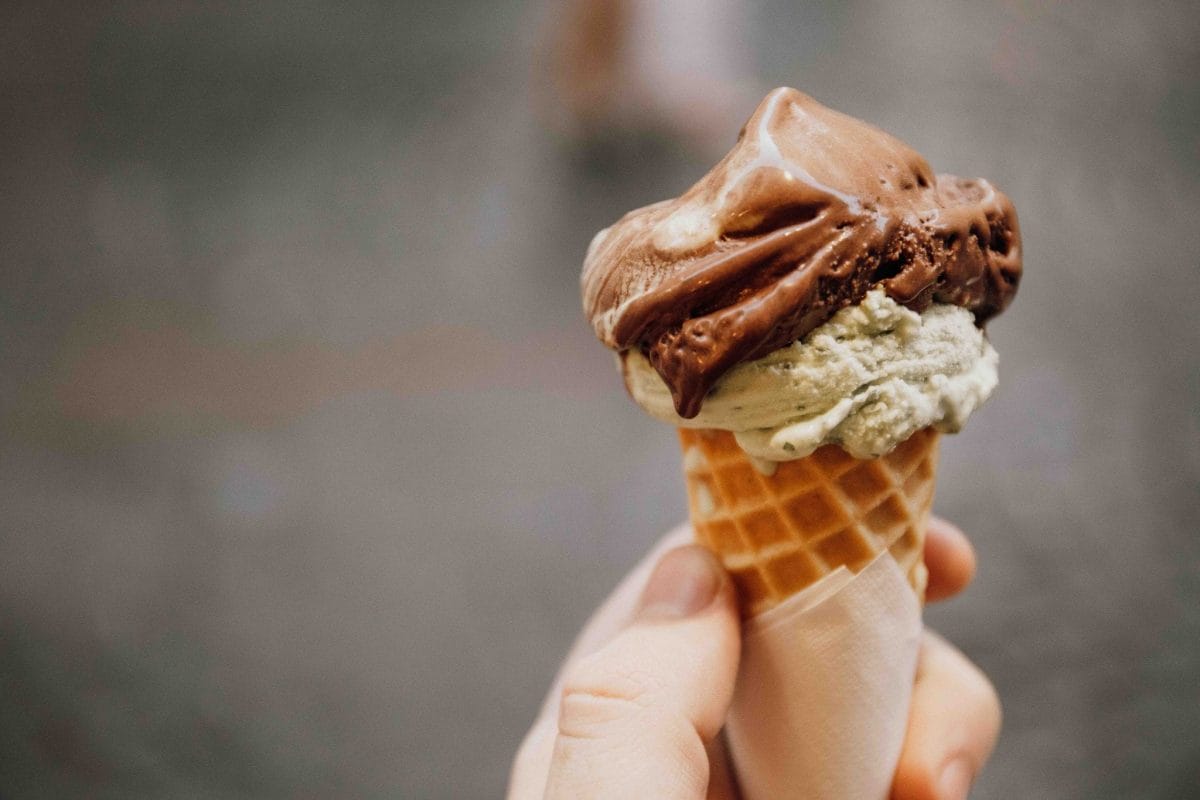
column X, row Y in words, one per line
column 636, row 715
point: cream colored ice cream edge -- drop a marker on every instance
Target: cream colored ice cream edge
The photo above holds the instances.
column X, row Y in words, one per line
column 866, row 380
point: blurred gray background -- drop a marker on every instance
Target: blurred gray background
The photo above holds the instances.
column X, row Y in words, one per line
column 310, row 468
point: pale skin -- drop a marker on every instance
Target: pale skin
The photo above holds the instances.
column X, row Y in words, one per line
column 638, row 705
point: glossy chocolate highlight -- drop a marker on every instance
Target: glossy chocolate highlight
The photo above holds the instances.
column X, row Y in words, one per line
column 809, row 211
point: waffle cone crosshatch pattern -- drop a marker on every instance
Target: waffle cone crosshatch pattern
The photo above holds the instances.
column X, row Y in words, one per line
column 779, row 533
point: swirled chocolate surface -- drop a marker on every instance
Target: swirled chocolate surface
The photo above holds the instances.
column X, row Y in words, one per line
column 809, row 211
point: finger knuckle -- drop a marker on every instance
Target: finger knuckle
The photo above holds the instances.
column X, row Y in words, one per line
column 596, row 696
column 587, row 714
column 621, row 733
column 597, row 675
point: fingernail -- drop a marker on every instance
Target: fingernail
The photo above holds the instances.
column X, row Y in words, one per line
column 956, row 780
column 685, row 582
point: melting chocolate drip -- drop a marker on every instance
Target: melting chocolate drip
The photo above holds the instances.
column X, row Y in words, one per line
column 808, row 212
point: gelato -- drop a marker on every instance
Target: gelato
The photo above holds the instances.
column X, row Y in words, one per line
column 867, row 380
column 809, row 211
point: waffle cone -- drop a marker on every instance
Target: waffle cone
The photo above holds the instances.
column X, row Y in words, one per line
column 777, row 534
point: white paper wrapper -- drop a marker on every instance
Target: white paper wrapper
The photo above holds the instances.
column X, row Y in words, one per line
column 822, row 698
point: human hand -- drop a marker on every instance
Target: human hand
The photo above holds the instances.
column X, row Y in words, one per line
column 638, row 705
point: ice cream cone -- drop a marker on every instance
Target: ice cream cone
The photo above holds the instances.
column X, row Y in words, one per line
column 822, row 292
column 782, row 532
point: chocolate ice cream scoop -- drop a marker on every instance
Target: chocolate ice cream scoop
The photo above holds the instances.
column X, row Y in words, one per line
column 809, row 211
